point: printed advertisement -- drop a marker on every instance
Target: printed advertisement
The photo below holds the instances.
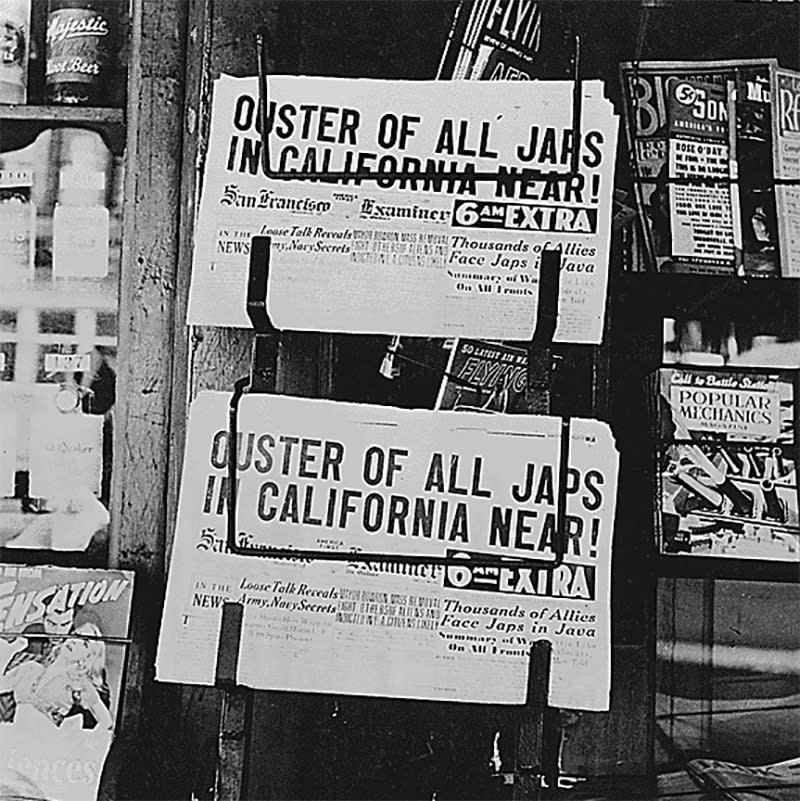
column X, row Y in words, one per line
column 66, row 453
column 393, row 481
column 728, row 464
column 700, row 140
column 441, row 255
column 62, row 656
column 484, row 377
column 493, row 41
column 787, row 167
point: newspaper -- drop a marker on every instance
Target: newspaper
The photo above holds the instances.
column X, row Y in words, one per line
column 700, row 141
column 727, row 464
column 779, row 781
column 484, row 376
column 427, row 257
column 61, row 670
column 337, row 476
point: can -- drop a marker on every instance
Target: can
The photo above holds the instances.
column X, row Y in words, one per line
column 81, row 47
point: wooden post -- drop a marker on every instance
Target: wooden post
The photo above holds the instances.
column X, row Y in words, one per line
column 529, row 769
column 235, row 712
column 144, row 389
column 233, row 728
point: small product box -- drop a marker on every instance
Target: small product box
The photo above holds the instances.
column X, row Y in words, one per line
column 17, row 226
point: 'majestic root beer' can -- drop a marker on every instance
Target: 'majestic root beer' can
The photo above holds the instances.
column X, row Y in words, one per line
column 81, row 48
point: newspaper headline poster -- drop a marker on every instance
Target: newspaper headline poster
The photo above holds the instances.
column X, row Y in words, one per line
column 787, row 167
column 495, row 374
column 427, row 257
column 701, row 142
column 728, row 464
column 322, row 475
column 61, row 670
column 493, row 41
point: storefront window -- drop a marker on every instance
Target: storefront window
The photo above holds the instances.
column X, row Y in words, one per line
column 728, row 686
column 61, row 169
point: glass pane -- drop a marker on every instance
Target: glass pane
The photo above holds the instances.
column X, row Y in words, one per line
column 56, row 322
column 728, row 674
column 8, row 321
column 60, row 217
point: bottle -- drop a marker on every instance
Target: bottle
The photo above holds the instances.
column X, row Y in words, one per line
column 81, row 44
column 80, row 217
column 17, row 226
column 15, row 25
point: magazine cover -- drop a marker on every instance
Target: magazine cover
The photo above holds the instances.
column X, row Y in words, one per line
column 701, row 149
column 786, row 131
column 484, row 377
column 489, row 43
column 62, row 654
column 727, row 464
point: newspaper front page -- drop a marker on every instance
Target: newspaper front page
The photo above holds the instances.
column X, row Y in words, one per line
column 433, row 256
column 337, row 476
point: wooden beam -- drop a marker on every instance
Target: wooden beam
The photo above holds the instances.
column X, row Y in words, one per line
column 148, row 279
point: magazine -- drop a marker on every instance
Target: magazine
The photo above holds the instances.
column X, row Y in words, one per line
column 727, row 464
column 707, row 142
column 62, row 654
column 484, row 376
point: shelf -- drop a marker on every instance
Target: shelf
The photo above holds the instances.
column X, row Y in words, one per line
column 66, row 115
column 727, row 569
column 21, row 124
column 64, row 293
column 680, row 293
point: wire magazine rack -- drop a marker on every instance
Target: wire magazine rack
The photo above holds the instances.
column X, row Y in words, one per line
column 256, row 301
column 538, row 734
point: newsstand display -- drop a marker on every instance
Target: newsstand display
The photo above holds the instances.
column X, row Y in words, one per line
column 404, row 390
